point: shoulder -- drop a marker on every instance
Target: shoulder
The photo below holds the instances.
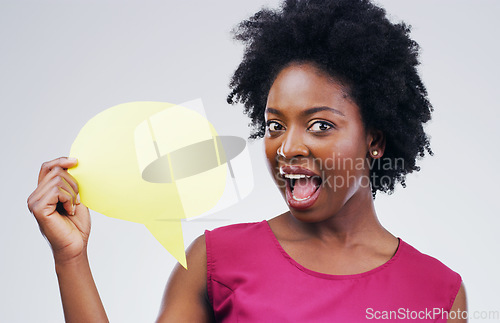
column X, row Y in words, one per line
column 232, row 251
column 185, row 297
column 234, row 236
column 238, row 246
column 235, row 228
column 425, row 263
column 428, row 273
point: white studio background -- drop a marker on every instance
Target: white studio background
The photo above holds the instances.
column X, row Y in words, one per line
column 63, row 62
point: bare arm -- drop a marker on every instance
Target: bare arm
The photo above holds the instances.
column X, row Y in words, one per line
column 185, row 298
column 79, row 295
column 459, row 306
column 65, row 222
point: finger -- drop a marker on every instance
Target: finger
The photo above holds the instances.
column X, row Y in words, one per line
column 63, row 162
column 56, row 181
column 47, row 204
column 47, row 189
column 58, row 171
column 67, row 201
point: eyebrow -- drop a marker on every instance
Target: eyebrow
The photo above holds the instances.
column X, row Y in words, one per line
column 309, row 111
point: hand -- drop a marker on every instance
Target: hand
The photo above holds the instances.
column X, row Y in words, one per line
column 62, row 219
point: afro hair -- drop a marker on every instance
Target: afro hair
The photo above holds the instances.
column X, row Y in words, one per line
column 354, row 42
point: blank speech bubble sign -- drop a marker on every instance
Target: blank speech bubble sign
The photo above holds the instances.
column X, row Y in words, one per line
column 156, row 163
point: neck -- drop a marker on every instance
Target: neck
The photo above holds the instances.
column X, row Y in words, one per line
column 355, row 223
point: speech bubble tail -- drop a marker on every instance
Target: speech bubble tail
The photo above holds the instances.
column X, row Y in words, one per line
column 169, row 234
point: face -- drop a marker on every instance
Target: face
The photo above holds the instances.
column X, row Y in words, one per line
column 316, row 143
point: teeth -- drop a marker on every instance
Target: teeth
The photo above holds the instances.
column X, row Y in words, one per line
column 296, row 176
column 299, row 199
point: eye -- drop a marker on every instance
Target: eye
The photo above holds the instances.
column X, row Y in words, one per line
column 320, row 126
column 274, row 126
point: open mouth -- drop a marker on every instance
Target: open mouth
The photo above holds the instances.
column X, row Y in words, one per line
column 302, row 186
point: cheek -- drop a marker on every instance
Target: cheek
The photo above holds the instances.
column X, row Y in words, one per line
column 344, row 163
column 353, row 143
column 339, row 152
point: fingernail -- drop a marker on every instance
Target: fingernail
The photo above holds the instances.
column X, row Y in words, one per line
column 73, row 210
column 72, row 159
column 78, row 199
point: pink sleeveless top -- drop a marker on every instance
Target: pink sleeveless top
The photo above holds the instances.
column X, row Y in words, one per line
column 250, row 278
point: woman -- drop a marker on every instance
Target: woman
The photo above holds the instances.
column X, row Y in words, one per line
column 332, row 87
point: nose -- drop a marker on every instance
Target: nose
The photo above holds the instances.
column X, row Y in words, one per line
column 293, row 145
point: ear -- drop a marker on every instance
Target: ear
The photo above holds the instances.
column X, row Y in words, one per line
column 376, row 143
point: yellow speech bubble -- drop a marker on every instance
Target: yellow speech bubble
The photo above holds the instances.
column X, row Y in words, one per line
column 153, row 163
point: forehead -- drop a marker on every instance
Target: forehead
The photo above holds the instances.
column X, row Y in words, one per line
column 302, row 86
